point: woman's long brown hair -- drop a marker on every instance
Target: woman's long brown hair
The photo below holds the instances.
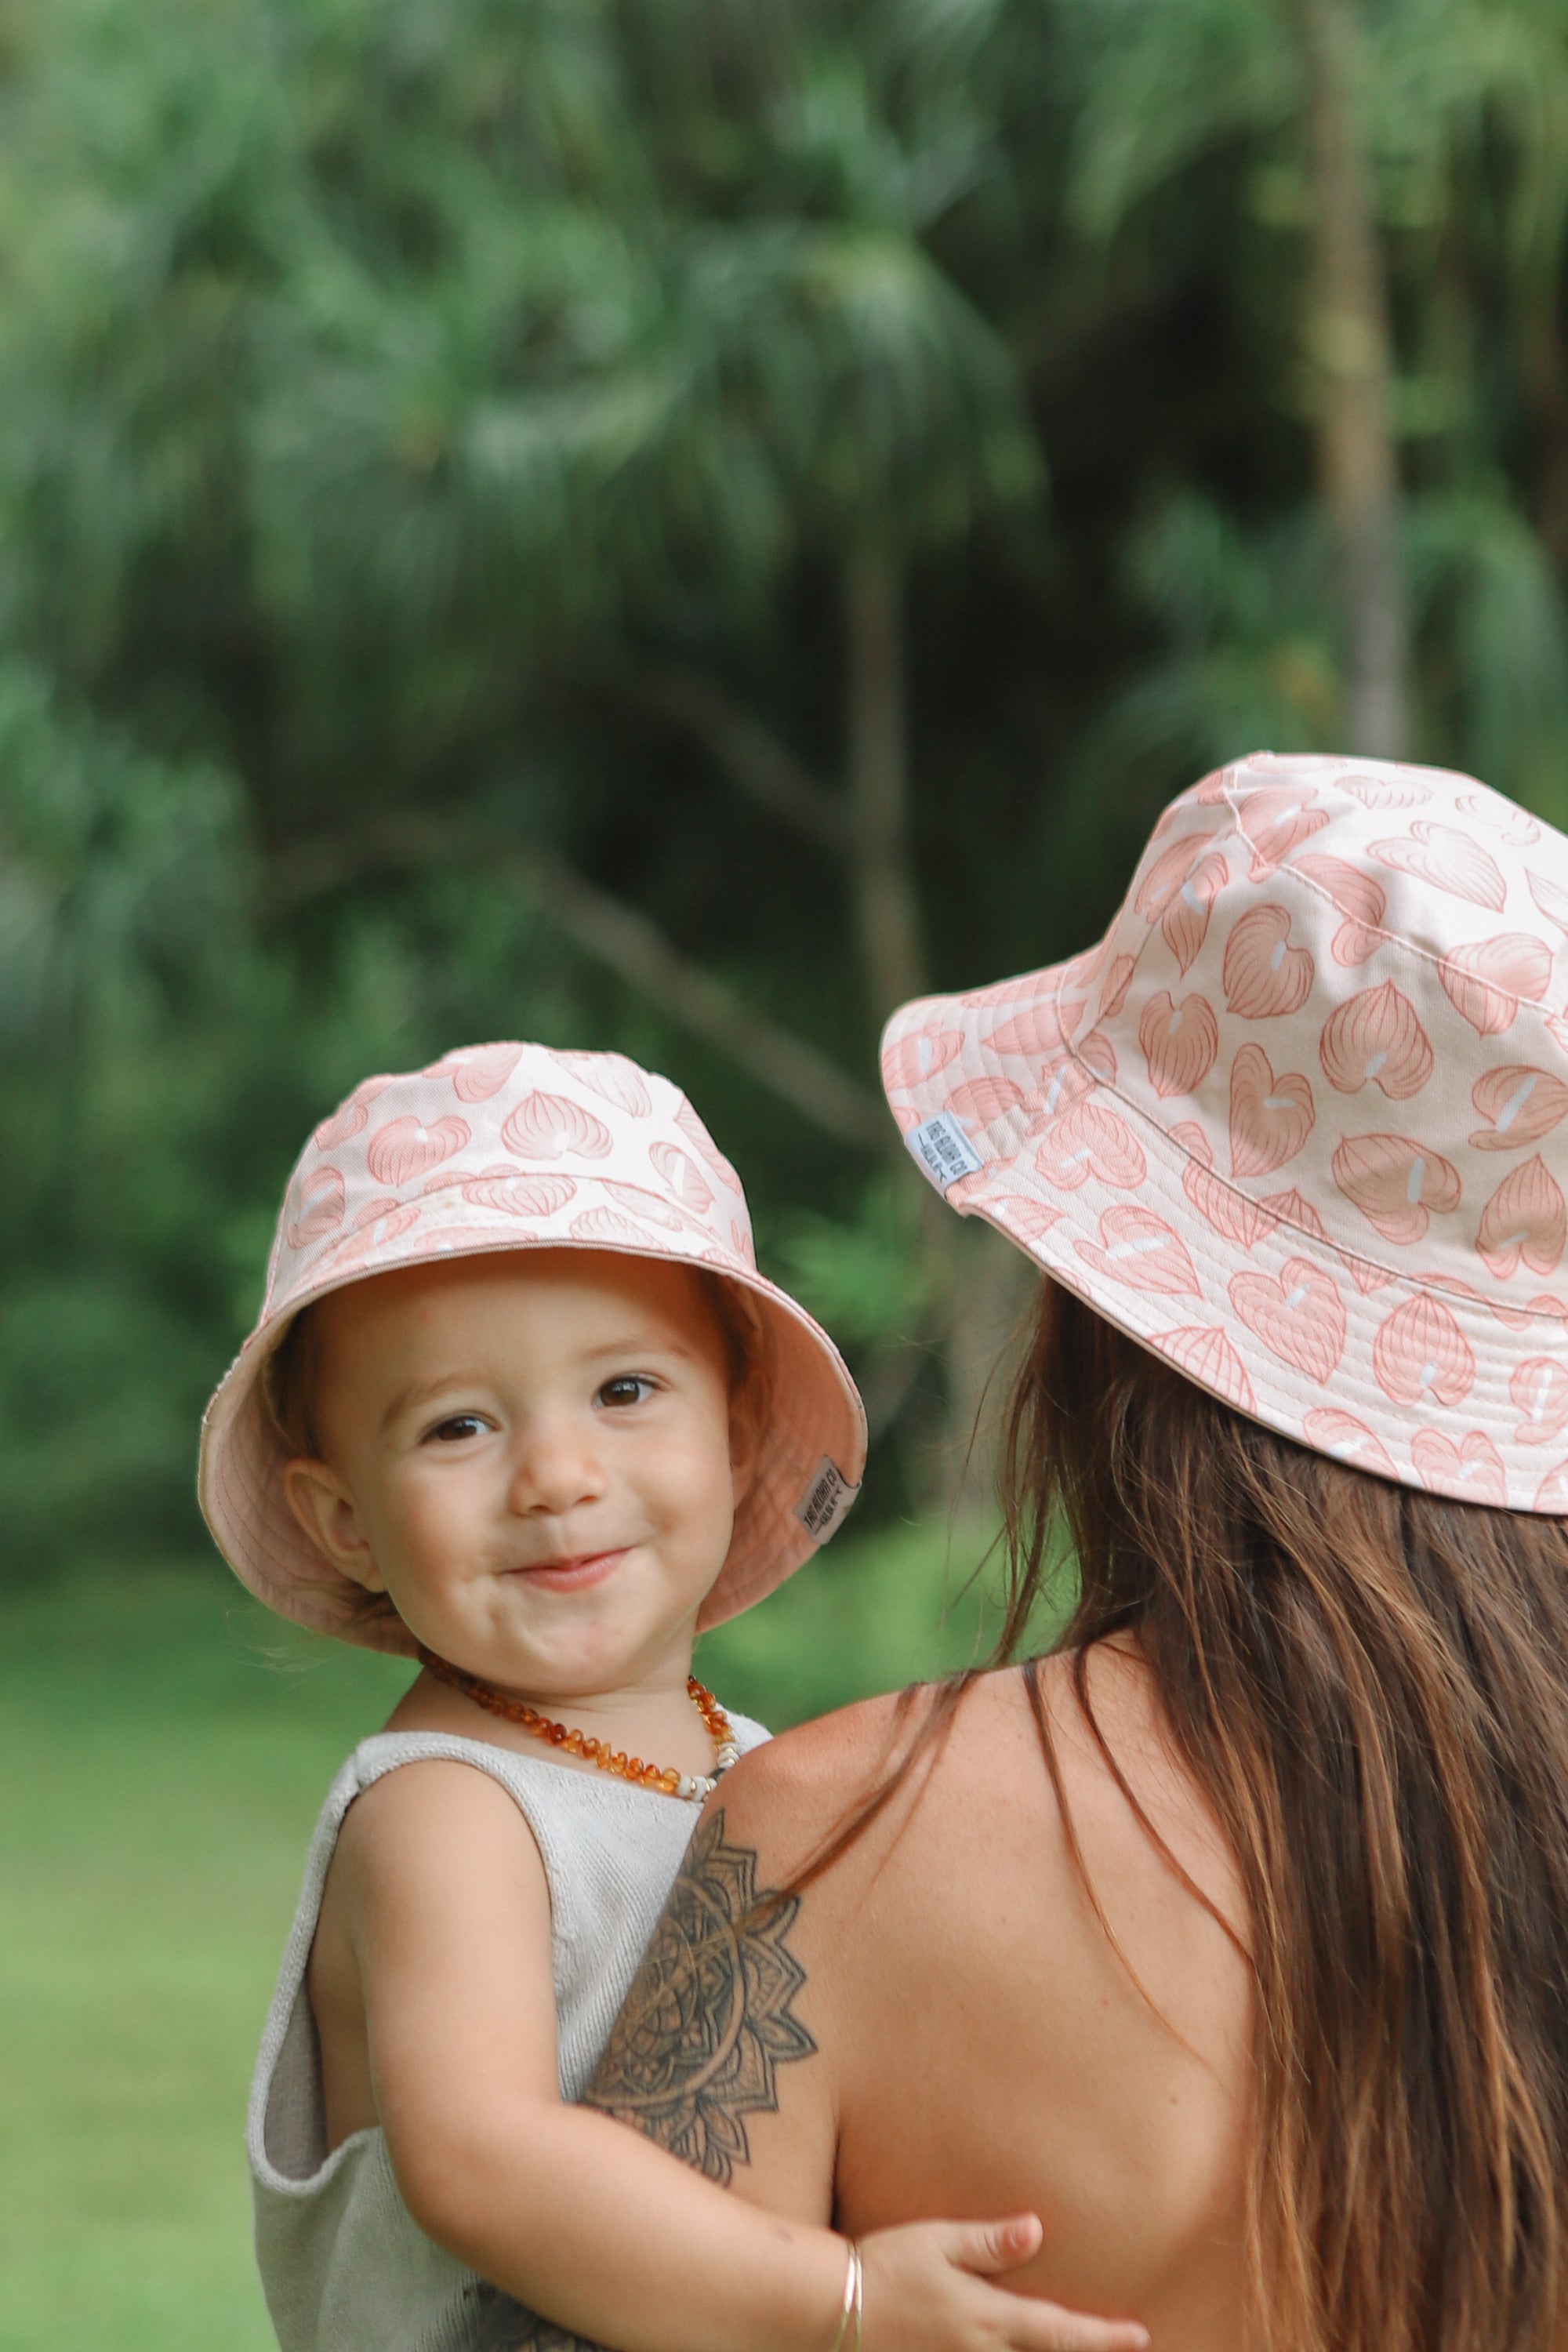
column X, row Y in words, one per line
column 1369, row 1685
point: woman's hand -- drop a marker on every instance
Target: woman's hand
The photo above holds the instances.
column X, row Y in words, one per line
column 927, row 2289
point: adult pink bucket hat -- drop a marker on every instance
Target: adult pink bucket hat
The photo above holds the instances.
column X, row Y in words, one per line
column 511, row 1146
column 1298, row 1122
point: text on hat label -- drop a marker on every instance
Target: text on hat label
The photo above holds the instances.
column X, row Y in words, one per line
column 943, row 1150
column 825, row 1501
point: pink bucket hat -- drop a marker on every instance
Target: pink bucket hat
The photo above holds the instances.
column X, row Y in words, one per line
column 1297, row 1122
column 514, row 1147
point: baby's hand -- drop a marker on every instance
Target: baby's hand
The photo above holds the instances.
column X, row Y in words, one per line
column 927, row 2290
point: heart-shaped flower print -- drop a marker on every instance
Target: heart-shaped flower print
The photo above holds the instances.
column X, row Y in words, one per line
column 1207, row 1356
column 1085, row 1141
column 477, row 1072
column 1473, row 1468
column 1140, row 1249
column 1448, row 860
column 1397, row 1183
column 515, row 1192
column 1517, row 826
column 1539, row 1390
column 1275, row 820
column 1421, row 1354
column 980, row 1100
column 683, row 1176
column 350, row 1117
column 1522, row 1103
column 322, row 1196
column 614, row 1079
column 1231, row 1214
column 691, row 1126
column 406, row 1148
column 1180, row 1042
column 547, row 1127
column 1487, row 981
column 1184, row 924
column 1344, row 1438
column 1264, row 977
column 1301, row 1319
column 1361, row 901
column 1384, row 791
column 1270, row 1118
column 1039, row 1030
column 914, row 1059
column 650, row 1208
column 1163, row 877
column 1524, row 1222
column 1375, row 1038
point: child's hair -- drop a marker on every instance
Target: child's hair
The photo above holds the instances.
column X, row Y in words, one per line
column 1369, row 1685
column 292, row 1371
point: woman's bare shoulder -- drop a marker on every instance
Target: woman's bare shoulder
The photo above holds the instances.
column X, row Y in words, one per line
column 979, row 1774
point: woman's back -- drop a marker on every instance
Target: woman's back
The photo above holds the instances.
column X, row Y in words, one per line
column 979, row 2045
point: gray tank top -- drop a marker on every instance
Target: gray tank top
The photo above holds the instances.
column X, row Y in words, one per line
column 344, row 2266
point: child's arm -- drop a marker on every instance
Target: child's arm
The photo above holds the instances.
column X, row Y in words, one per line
column 447, row 1913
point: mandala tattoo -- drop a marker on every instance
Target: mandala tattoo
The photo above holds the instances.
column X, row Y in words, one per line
column 699, row 2039
column 708, row 2021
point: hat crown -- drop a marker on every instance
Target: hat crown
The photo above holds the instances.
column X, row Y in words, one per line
column 1344, row 976
column 576, row 1147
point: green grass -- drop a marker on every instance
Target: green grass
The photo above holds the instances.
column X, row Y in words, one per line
column 165, row 1746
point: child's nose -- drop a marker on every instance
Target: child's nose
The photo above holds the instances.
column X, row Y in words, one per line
column 557, row 1467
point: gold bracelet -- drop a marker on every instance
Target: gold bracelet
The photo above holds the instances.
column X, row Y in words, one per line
column 852, row 2290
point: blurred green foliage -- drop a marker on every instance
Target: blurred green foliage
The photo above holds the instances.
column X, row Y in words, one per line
column 439, row 434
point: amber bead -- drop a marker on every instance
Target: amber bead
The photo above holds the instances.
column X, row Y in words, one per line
column 596, row 1752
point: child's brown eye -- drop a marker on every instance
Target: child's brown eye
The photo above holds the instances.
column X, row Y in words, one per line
column 626, row 1388
column 461, row 1425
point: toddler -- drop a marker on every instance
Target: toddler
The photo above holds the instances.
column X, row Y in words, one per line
column 520, row 1405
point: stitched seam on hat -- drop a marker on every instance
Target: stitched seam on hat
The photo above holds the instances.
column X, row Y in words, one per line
column 1393, row 939
column 1341, row 1250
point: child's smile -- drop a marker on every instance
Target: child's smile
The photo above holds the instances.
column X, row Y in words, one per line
column 536, row 1455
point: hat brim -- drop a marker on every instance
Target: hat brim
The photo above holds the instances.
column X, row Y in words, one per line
column 1199, row 1271
column 814, row 1417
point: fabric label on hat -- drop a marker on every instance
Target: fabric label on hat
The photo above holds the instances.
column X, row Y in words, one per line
column 825, row 1501
column 943, row 1150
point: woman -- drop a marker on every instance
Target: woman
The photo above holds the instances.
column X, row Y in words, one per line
column 1232, row 1938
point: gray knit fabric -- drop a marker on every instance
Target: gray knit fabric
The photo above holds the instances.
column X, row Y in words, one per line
column 344, row 2264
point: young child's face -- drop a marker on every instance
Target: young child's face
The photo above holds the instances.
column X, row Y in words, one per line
column 534, row 1455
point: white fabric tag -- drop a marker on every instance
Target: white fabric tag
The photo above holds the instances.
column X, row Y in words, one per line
column 825, row 1501
column 943, row 1150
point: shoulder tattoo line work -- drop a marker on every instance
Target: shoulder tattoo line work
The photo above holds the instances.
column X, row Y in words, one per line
column 700, row 2037
column 708, row 2021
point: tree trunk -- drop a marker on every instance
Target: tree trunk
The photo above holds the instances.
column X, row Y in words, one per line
column 975, row 1269
column 1349, row 351
column 886, row 895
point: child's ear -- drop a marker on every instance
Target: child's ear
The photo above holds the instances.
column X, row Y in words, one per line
column 324, row 1509
column 746, row 1435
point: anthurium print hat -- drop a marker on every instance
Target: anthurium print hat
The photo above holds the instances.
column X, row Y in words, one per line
column 511, row 1147
column 1300, row 1122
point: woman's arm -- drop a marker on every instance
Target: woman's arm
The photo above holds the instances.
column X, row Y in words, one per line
column 449, row 1921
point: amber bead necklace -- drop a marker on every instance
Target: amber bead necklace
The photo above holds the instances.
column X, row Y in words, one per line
column 664, row 1780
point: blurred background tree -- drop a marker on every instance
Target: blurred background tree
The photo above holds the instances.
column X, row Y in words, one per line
column 677, row 524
